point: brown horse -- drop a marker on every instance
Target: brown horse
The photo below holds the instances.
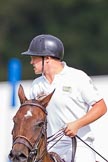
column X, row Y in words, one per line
column 29, row 131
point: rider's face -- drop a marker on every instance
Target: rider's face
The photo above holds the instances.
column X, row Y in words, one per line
column 36, row 61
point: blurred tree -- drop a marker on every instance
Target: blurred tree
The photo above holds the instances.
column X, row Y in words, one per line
column 82, row 25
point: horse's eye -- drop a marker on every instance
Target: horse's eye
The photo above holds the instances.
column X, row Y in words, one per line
column 40, row 124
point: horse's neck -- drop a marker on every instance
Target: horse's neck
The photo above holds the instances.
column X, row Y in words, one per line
column 46, row 155
column 47, row 158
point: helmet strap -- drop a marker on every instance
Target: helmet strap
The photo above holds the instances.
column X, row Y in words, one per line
column 42, row 64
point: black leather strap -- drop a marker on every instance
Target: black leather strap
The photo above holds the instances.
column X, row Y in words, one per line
column 74, row 145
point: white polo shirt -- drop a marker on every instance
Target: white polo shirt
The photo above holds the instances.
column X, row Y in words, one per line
column 74, row 94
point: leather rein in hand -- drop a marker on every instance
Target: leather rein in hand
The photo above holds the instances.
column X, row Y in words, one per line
column 58, row 136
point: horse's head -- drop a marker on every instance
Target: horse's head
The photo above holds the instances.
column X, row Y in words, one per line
column 29, row 131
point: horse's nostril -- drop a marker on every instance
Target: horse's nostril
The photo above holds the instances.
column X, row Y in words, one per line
column 19, row 157
column 22, row 157
column 10, row 156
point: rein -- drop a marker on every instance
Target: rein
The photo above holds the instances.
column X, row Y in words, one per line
column 58, row 136
column 74, row 144
column 92, row 149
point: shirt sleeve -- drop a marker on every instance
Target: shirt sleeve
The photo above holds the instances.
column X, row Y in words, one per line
column 89, row 91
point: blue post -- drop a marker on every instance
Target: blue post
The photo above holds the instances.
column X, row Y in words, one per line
column 14, row 75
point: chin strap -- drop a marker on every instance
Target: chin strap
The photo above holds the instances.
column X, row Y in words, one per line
column 42, row 64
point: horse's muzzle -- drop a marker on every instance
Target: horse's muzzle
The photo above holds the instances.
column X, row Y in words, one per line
column 17, row 156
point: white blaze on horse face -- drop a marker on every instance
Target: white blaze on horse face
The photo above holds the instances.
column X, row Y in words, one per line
column 28, row 114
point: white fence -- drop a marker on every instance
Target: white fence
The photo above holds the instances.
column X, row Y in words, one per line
column 7, row 112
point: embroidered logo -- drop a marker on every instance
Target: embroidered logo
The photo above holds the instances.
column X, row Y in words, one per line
column 67, row 89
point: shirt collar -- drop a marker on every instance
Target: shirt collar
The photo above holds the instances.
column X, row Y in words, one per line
column 60, row 73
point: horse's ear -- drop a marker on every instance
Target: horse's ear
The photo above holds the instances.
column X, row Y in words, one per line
column 46, row 100
column 21, row 94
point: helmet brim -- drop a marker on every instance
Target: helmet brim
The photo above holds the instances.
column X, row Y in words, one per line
column 29, row 53
column 43, row 53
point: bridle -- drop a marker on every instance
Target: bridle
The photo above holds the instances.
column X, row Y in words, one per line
column 33, row 103
column 23, row 140
column 32, row 157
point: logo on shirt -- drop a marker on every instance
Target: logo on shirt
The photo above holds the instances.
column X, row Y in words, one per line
column 67, row 89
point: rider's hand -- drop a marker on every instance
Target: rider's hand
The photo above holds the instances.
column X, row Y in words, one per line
column 71, row 129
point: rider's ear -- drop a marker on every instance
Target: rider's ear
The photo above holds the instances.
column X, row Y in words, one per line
column 21, row 94
column 46, row 100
